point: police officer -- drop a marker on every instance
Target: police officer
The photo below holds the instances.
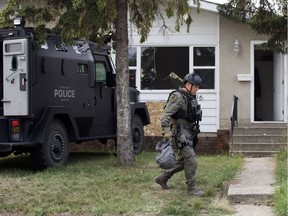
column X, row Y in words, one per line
column 178, row 121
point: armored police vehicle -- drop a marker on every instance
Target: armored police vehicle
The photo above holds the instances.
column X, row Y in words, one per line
column 54, row 94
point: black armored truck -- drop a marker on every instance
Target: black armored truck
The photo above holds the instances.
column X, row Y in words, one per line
column 54, row 94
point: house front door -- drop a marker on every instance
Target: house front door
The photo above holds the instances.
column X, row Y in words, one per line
column 268, row 84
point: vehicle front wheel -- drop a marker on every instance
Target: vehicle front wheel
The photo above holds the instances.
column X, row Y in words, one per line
column 137, row 134
column 54, row 151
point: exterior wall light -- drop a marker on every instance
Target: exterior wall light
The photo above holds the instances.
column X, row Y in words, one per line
column 236, row 47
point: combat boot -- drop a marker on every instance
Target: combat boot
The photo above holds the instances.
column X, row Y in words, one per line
column 162, row 181
column 195, row 192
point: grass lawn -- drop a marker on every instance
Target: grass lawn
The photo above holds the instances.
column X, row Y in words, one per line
column 280, row 198
column 94, row 184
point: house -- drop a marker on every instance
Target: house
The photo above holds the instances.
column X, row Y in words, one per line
column 228, row 58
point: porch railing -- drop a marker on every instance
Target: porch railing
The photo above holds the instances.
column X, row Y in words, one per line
column 234, row 115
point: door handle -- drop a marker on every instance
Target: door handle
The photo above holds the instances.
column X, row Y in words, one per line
column 5, row 101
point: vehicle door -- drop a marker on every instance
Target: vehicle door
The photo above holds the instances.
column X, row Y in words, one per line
column 105, row 120
column 15, row 77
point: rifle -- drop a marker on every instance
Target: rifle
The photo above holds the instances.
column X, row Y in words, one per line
column 175, row 79
column 196, row 128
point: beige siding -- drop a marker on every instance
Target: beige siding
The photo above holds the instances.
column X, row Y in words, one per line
column 230, row 65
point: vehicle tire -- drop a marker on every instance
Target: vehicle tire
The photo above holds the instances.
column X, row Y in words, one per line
column 54, row 151
column 137, row 134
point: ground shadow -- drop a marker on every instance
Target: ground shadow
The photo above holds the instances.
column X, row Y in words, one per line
column 24, row 163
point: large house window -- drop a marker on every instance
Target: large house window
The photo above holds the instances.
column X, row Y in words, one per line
column 132, row 54
column 204, row 65
column 158, row 62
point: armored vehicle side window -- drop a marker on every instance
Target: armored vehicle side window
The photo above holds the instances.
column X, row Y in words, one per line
column 82, row 68
column 13, row 47
column 100, row 72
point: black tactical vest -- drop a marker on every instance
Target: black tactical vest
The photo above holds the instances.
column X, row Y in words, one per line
column 193, row 111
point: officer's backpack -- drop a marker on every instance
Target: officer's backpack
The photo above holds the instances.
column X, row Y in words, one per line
column 165, row 157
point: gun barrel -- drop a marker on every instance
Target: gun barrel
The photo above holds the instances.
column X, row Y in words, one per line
column 175, row 76
column 176, row 79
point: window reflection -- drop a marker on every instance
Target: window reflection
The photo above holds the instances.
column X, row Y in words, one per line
column 100, row 72
column 204, row 56
column 132, row 78
column 208, row 78
column 132, row 53
column 158, row 62
column 82, row 68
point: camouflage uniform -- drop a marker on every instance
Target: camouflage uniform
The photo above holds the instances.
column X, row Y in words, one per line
column 182, row 136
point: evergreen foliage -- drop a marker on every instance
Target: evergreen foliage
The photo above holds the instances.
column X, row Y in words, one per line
column 264, row 17
column 89, row 18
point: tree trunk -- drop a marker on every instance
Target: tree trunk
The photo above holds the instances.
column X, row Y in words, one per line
column 125, row 155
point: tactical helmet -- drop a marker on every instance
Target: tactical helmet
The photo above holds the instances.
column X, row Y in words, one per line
column 193, row 79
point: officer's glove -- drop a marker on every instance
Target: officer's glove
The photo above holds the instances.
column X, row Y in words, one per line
column 166, row 134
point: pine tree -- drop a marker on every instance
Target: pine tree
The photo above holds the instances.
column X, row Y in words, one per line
column 264, row 17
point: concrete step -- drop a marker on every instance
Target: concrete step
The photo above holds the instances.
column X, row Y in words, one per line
column 257, row 146
column 264, row 125
column 254, row 153
column 255, row 138
column 281, row 131
column 263, row 139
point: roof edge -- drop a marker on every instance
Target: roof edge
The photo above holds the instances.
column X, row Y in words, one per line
column 205, row 5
